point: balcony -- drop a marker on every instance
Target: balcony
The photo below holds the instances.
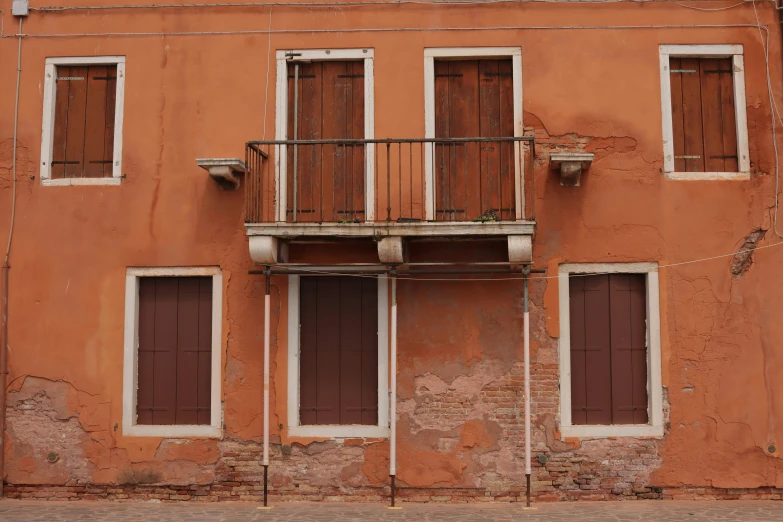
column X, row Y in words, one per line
column 298, row 190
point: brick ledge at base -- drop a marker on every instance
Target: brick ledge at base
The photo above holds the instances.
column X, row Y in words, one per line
column 252, row 491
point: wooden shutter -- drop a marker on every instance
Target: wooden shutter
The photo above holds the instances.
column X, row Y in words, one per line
column 608, row 349
column 629, row 348
column 338, row 375
column 329, row 178
column 591, row 381
column 83, row 143
column 474, row 98
column 175, row 350
column 703, row 115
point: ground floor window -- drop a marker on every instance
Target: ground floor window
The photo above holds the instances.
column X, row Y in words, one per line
column 338, row 350
column 610, row 350
column 172, row 352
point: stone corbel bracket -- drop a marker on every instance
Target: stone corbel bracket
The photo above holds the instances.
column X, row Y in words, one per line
column 570, row 165
column 223, row 170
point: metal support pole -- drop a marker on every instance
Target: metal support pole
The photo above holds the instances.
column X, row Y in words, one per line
column 393, row 391
column 527, row 386
column 267, row 312
column 296, row 131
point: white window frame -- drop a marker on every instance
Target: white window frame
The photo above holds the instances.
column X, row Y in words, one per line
column 281, row 119
column 740, row 112
column 49, row 102
column 654, row 428
column 471, row 53
column 131, row 359
column 348, row 430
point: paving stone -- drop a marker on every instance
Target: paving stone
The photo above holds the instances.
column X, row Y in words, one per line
column 637, row 511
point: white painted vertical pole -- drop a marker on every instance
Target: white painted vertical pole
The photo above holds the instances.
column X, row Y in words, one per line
column 526, row 336
column 267, row 313
column 393, row 392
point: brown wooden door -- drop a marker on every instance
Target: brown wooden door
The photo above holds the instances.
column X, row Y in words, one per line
column 329, row 184
column 608, row 349
column 338, row 374
column 175, row 350
column 474, row 98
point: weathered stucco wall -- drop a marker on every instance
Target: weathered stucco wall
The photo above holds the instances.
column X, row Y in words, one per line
column 460, row 376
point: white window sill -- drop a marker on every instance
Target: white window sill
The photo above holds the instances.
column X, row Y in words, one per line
column 353, row 431
column 66, row 182
column 711, row 176
column 168, row 431
column 617, row 430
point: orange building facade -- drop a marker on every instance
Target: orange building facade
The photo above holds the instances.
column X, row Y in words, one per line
column 394, row 202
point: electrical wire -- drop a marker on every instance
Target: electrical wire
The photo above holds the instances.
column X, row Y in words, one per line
column 15, row 147
column 424, row 277
column 709, row 8
column 392, row 29
column 353, row 3
column 268, row 63
column 774, row 110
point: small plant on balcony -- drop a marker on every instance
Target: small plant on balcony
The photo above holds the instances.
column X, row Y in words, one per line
column 487, row 216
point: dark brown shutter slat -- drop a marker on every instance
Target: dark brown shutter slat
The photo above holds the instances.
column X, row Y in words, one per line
column 711, row 109
column 165, row 366
column 728, row 117
column 597, row 350
column 60, row 122
column 350, row 324
column 576, row 289
column 443, row 195
column 77, row 111
column 355, row 176
column 108, row 137
column 187, row 351
column 465, row 123
column 507, row 166
column 692, row 117
column 328, row 324
column 629, row 351
column 146, row 362
column 678, row 132
column 95, row 122
column 204, row 377
column 489, row 125
column 308, row 350
column 369, row 353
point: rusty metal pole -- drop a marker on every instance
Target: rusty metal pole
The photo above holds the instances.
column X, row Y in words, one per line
column 527, row 390
column 267, row 312
column 3, row 369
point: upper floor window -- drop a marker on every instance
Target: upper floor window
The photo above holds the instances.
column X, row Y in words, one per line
column 704, row 119
column 325, row 95
column 82, row 121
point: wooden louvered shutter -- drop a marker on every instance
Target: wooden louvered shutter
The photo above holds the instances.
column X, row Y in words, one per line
column 703, row 115
column 175, row 350
column 474, row 99
column 591, row 380
column 83, row 143
column 338, row 351
column 608, row 318
column 629, row 348
column 330, row 105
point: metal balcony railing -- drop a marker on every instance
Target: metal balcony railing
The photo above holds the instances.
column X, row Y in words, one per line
column 390, row 180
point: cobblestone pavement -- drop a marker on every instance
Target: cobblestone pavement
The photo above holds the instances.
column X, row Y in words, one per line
column 658, row 511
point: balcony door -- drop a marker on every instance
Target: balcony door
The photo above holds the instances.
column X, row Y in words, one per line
column 325, row 181
column 474, row 180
